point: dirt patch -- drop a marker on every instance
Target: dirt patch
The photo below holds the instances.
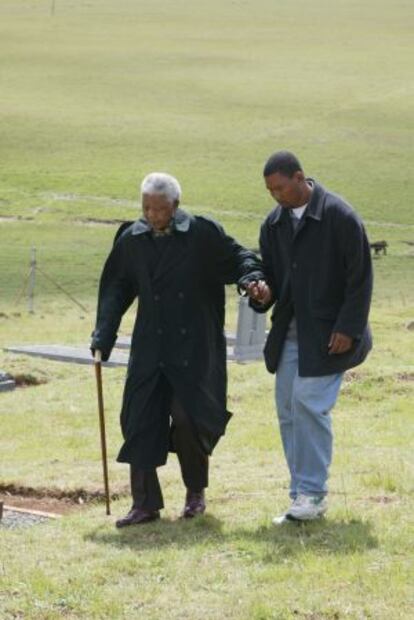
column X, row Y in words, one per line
column 27, row 380
column 3, row 315
column 405, row 376
column 383, row 499
column 351, row 376
column 52, row 500
column 45, row 504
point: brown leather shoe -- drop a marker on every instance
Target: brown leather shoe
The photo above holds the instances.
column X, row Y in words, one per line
column 137, row 516
column 195, row 504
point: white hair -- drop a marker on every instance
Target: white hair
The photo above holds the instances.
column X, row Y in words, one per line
column 163, row 184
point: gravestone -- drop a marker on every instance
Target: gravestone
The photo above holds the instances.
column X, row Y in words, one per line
column 250, row 334
column 6, row 382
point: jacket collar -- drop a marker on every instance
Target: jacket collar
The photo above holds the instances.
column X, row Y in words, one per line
column 314, row 210
column 181, row 223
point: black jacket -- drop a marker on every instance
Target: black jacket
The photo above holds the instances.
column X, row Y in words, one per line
column 178, row 330
column 322, row 274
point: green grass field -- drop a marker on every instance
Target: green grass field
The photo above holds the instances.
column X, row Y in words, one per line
column 94, row 97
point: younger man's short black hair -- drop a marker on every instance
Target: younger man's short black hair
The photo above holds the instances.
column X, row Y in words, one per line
column 284, row 162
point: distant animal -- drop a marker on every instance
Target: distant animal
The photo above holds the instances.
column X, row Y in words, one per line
column 378, row 247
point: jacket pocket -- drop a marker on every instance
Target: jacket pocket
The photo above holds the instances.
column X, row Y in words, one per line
column 324, row 327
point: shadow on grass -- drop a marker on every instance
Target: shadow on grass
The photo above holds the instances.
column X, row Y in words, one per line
column 265, row 543
column 324, row 537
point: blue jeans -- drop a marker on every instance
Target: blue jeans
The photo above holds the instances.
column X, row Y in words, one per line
column 303, row 407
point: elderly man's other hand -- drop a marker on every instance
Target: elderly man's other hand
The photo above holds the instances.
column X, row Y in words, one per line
column 339, row 343
column 99, row 356
column 259, row 291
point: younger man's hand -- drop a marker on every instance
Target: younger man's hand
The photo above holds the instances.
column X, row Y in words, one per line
column 259, row 291
column 339, row 343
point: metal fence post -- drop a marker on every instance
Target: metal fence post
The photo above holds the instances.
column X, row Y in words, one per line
column 32, row 280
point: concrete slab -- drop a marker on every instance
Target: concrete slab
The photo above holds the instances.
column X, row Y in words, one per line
column 7, row 382
column 7, row 386
column 74, row 355
column 82, row 355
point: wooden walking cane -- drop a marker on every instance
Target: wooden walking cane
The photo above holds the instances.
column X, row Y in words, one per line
column 98, row 373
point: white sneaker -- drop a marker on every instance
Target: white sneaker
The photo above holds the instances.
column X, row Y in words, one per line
column 281, row 520
column 307, row 508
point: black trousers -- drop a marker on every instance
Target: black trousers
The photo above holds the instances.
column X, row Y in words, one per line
column 145, row 486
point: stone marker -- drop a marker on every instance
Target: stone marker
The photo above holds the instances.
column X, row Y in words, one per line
column 6, row 382
column 251, row 333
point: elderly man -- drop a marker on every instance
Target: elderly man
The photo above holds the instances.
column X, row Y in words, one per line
column 175, row 392
column 318, row 274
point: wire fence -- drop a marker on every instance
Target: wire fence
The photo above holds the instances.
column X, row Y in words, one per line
column 31, row 275
column 47, row 276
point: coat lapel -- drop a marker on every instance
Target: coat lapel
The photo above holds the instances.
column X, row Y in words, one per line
column 314, row 210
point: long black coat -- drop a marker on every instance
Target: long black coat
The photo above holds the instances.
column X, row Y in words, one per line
column 322, row 272
column 178, row 330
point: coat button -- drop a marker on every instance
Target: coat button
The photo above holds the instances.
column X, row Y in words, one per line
column 156, row 297
column 185, row 363
column 159, row 331
column 183, row 331
column 180, row 295
column 294, row 265
column 161, row 365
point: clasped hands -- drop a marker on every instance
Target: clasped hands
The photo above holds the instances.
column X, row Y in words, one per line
column 261, row 293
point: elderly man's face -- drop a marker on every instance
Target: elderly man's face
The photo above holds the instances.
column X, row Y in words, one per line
column 158, row 211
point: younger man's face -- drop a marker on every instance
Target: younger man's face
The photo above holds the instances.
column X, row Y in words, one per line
column 287, row 191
